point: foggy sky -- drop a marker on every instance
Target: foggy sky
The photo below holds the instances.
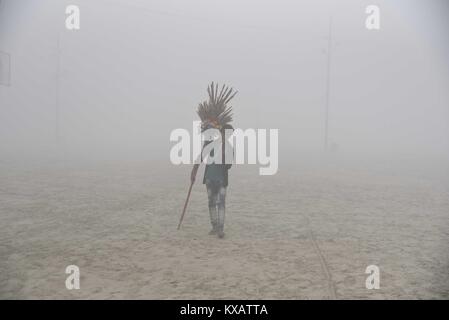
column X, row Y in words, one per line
column 137, row 69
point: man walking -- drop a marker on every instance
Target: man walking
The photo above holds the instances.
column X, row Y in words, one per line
column 215, row 114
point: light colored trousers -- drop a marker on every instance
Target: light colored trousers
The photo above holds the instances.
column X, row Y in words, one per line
column 216, row 193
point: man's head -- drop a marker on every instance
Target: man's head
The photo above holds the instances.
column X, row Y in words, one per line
column 210, row 124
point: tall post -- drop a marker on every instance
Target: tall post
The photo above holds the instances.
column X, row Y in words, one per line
column 57, row 90
column 326, row 113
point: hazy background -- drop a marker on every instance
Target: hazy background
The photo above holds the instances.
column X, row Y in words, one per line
column 85, row 175
column 137, row 70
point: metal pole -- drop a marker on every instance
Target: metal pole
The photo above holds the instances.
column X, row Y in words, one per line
column 58, row 79
column 326, row 120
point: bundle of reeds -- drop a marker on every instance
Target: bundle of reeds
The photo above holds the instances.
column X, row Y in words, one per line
column 216, row 109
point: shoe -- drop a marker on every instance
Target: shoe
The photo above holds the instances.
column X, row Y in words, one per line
column 213, row 231
column 221, row 234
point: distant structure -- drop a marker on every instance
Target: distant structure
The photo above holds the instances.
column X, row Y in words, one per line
column 326, row 113
column 57, row 88
column 5, row 69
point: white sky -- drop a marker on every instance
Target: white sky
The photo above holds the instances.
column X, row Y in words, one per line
column 137, row 70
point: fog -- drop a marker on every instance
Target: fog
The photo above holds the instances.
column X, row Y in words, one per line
column 86, row 178
column 136, row 70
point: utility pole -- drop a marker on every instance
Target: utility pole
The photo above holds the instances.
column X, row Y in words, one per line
column 57, row 90
column 326, row 113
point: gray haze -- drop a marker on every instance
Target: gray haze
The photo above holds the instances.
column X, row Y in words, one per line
column 86, row 179
column 137, row 70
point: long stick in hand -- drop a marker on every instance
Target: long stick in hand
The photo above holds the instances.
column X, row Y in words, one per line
column 187, row 200
column 185, row 206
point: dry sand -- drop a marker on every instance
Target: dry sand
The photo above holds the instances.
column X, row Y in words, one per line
column 303, row 234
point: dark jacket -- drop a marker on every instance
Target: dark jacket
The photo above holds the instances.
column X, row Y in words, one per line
column 225, row 167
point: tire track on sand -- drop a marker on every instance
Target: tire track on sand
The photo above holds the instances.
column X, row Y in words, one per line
column 323, row 262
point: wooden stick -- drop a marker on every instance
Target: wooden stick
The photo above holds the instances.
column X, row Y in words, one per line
column 185, row 204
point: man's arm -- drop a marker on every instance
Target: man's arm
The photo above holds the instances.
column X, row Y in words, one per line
column 197, row 165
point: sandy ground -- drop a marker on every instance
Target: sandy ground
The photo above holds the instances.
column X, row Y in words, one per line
column 307, row 233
